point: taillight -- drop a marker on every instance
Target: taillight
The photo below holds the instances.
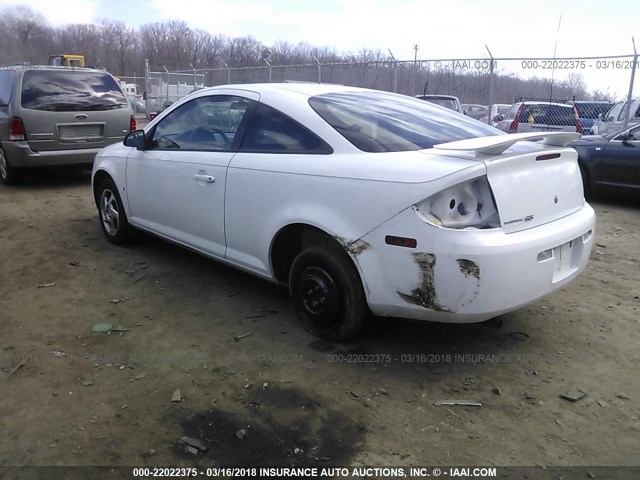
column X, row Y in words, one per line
column 578, row 125
column 513, row 126
column 467, row 205
column 132, row 124
column 16, row 129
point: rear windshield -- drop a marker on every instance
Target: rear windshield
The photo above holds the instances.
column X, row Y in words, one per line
column 546, row 114
column 592, row 110
column 71, row 91
column 6, row 85
column 387, row 122
column 449, row 103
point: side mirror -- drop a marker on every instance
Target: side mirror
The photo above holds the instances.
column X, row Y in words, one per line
column 601, row 116
column 135, row 139
column 625, row 138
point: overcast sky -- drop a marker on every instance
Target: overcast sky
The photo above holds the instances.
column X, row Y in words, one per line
column 442, row 29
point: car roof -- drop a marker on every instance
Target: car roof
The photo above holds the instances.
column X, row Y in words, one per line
column 306, row 89
column 528, row 102
column 26, row 66
column 438, row 97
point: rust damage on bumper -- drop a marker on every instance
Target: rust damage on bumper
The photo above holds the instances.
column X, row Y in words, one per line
column 424, row 294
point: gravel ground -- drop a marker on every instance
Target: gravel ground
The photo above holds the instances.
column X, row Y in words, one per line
column 256, row 389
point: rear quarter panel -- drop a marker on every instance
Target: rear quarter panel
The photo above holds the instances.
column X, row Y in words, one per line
column 260, row 201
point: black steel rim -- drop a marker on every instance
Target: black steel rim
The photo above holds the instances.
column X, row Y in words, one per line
column 319, row 296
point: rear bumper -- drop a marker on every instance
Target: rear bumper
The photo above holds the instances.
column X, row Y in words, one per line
column 20, row 155
column 464, row 276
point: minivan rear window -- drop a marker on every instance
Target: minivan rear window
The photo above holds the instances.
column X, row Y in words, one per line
column 6, row 85
column 592, row 110
column 548, row 114
column 71, row 91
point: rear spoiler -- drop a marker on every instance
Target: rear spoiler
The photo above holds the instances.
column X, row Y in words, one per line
column 496, row 144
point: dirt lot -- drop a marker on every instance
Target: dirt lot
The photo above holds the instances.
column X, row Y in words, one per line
column 106, row 399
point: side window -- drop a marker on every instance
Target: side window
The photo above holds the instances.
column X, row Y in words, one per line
column 271, row 131
column 634, row 134
column 205, row 123
column 612, row 116
column 6, row 85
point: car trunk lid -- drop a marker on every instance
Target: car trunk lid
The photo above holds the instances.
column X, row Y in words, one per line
column 532, row 184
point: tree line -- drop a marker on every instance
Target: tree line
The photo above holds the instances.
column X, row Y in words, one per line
column 26, row 36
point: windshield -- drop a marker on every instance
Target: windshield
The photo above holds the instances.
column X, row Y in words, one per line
column 71, row 91
column 387, row 122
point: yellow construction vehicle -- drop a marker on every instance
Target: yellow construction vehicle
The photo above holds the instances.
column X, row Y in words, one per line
column 66, row 60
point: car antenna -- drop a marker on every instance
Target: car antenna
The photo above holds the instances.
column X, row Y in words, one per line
column 553, row 65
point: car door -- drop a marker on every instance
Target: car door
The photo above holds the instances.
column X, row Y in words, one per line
column 620, row 163
column 176, row 184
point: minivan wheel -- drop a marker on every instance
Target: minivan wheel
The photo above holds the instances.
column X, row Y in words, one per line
column 8, row 174
column 327, row 292
column 113, row 218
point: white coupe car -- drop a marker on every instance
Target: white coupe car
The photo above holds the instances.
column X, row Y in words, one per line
column 359, row 200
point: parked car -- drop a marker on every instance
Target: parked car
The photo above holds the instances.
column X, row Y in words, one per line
column 498, row 111
column 58, row 116
column 538, row 116
column 613, row 120
column 474, row 111
column 447, row 101
column 357, row 200
column 589, row 111
column 137, row 103
column 162, row 108
column 610, row 161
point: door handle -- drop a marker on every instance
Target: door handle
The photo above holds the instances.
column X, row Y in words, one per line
column 204, row 178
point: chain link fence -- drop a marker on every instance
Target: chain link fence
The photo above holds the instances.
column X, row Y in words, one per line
column 476, row 82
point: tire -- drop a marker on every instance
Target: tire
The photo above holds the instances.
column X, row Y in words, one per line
column 8, row 175
column 113, row 218
column 327, row 292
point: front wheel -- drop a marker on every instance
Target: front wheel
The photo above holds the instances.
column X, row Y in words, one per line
column 327, row 292
column 113, row 218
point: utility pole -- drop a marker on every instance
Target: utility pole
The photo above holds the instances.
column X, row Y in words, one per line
column 395, row 72
column 415, row 68
column 627, row 107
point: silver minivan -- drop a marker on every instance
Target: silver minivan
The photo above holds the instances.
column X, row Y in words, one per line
column 58, row 116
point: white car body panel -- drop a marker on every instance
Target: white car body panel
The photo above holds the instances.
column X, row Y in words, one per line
column 302, row 189
column 463, row 276
column 190, row 207
column 453, row 275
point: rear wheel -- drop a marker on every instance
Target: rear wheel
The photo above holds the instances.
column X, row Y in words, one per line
column 8, row 174
column 113, row 218
column 327, row 292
